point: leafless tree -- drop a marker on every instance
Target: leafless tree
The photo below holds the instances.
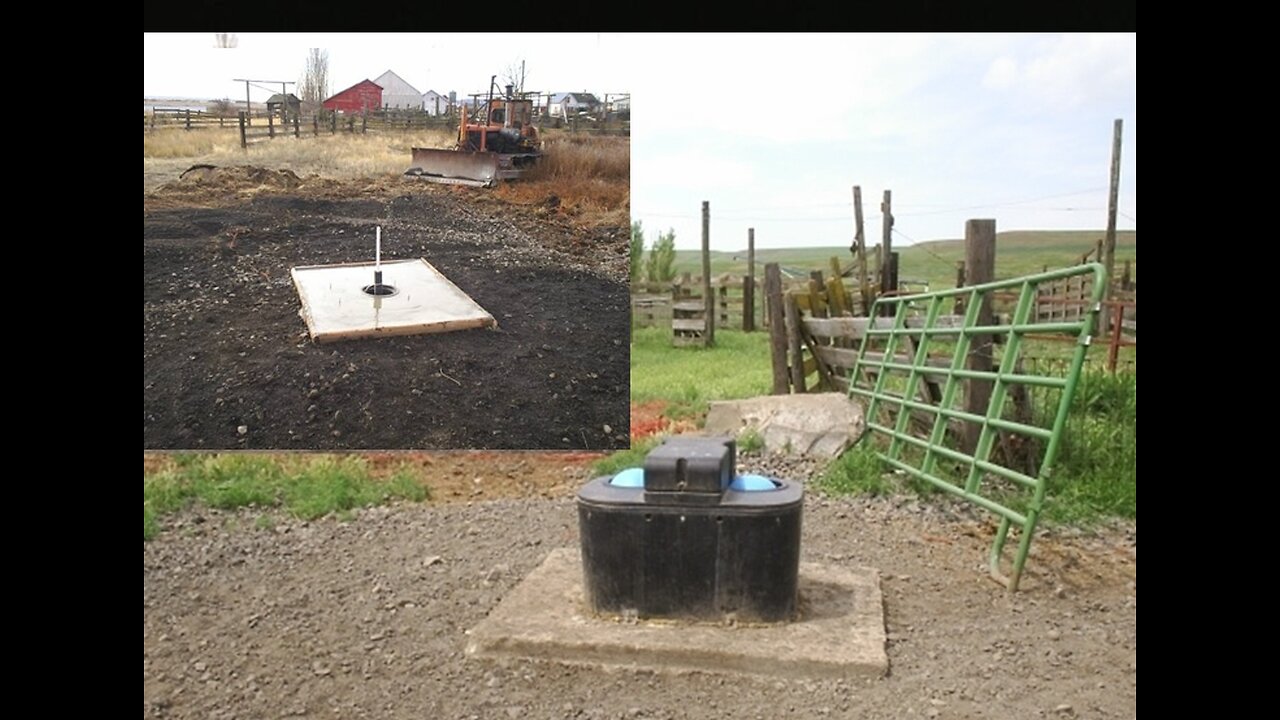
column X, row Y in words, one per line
column 222, row 108
column 314, row 87
column 515, row 75
column 225, row 40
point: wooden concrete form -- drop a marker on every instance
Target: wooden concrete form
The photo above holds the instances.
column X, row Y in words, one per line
column 335, row 307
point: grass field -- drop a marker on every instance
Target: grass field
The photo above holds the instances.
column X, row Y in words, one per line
column 692, row 376
column 1017, row 253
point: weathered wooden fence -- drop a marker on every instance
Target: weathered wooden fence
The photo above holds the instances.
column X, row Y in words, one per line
column 735, row 301
column 255, row 127
column 184, row 118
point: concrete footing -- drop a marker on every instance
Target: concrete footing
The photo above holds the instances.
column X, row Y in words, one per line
column 839, row 634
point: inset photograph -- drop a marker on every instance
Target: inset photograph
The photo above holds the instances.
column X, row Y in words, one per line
column 358, row 254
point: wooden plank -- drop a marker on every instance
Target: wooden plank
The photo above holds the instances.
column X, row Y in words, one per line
column 857, row 327
column 844, row 357
column 817, row 303
column 835, row 289
column 689, row 306
column 824, row 373
column 793, row 339
column 836, row 356
column 698, row 324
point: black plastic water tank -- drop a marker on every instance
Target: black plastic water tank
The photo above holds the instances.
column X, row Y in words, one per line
column 687, row 538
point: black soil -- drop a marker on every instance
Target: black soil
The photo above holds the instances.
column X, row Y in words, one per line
column 228, row 364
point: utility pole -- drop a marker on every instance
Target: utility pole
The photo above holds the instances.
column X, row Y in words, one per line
column 886, row 240
column 247, row 108
column 860, row 250
column 709, row 300
column 1110, row 247
column 749, row 286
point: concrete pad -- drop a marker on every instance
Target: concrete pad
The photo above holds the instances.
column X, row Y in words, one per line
column 840, row 633
column 817, row 424
column 335, row 306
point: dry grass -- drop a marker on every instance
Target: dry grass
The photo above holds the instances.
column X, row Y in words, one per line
column 179, row 143
column 591, row 176
column 332, row 156
column 577, row 157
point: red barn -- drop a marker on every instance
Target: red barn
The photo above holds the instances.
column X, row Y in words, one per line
column 364, row 94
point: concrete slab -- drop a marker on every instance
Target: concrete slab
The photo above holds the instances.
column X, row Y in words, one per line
column 817, row 424
column 335, row 306
column 840, row 633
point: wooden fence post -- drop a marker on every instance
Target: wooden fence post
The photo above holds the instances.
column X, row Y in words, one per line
column 243, row 141
column 297, row 132
column 1126, row 281
column 980, row 267
column 271, row 125
column 816, row 286
column 315, row 124
column 153, row 118
column 886, row 237
column 860, row 249
column 749, row 285
column 364, row 121
column 793, row 339
column 889, row 281
column 777, row 328
column 959, row 306
column 708, row 298
column 188, row 118
column 333, row 123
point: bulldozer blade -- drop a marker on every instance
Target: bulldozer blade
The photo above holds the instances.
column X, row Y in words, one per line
column 456, row 167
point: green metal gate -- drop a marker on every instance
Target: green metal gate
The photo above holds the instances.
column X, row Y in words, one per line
column 904, row 385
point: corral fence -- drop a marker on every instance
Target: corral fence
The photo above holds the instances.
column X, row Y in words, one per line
column 741, row 302
column 255, row 127
column 654, row 304
column 332, row 123
column 185, row 118
column 824, row 324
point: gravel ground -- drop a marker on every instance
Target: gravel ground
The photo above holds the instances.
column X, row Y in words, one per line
column 367, row 619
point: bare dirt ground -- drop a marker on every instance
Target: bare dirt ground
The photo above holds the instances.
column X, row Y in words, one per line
column 227, row 363
column 368, row 618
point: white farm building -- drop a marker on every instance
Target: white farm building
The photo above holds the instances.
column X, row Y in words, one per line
column 398, row 94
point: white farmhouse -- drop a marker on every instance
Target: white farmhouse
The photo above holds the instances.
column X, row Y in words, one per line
column 435, row 103
column 568, row 104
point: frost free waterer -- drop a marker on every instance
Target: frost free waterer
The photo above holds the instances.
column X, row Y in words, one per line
column 686, row 537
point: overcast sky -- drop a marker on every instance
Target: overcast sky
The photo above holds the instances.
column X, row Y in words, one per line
column 774, row 130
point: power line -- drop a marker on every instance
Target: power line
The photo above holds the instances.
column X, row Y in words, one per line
column 729, row 213
column 924, row 247
column 1004, row 203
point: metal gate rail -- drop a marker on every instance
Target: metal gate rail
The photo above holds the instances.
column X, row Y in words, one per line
column 903, row 352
